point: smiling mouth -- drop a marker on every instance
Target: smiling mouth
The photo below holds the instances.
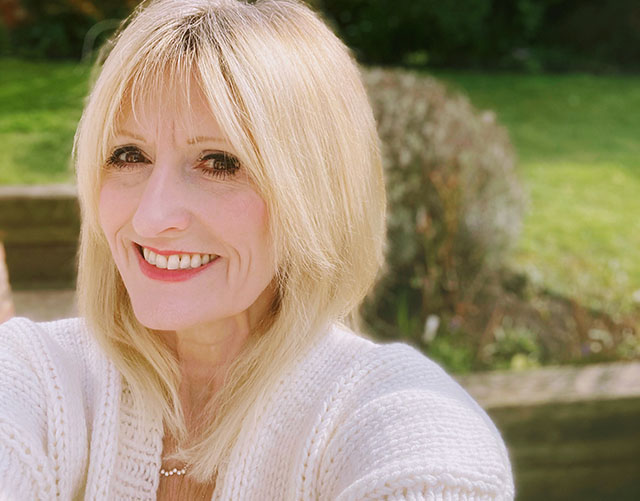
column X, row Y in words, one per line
column 178, row 261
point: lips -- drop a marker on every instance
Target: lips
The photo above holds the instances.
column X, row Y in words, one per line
column 172, row 266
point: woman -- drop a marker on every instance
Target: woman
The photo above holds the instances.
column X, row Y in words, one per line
column 233, row 220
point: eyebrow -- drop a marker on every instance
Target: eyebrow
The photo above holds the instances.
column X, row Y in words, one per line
column 193, row 140
column 203, row 139
column 123, row 132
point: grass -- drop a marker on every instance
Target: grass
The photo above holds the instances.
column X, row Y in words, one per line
column 578, row 142
column 41, row 104
column 577, row 137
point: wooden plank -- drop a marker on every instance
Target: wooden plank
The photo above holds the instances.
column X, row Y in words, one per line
column 572, row 432
column 40, row 227
column 49, row 266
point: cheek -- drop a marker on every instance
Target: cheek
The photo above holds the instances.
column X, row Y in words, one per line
column 251, row 221
column 113, row 209
column 242, row 216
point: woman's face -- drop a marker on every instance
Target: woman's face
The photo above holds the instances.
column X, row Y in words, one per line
column 186, row 227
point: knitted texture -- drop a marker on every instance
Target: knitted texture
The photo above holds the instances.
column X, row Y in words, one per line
column 351, row 420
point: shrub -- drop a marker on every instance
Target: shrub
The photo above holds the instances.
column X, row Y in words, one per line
column 448, row 32
column 528, row 35
column 455, row 204
column 57, row 28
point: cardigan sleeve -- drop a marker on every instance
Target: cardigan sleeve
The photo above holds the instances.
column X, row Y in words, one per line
column 43, row 439
column 410, row 432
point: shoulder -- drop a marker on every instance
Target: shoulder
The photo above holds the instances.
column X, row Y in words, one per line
column 35, row 344
column 401, row 422
column 58, row 356
column 64, row 343
column 50, row 379
column 372, row 370
column 68, row 332
column 52, row 359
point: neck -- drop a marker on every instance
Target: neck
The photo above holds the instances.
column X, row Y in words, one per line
column 206, row 351
column 204, row 355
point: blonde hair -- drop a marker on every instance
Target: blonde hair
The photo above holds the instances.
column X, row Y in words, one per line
column 288, row 96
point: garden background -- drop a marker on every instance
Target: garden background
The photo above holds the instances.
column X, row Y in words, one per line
column 511, row 136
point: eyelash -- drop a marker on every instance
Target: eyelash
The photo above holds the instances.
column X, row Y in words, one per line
column 115, row 160
column 223, row 164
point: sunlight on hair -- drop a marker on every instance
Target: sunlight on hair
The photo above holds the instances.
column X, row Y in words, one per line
column 287, row 94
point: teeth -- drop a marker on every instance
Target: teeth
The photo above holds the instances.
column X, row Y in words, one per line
column 173, row 262
column 177, row 261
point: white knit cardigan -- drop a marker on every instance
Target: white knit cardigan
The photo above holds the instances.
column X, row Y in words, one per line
column 353, row 420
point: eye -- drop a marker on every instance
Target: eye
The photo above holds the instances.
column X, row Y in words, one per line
column 219, row 164
column 127, row 156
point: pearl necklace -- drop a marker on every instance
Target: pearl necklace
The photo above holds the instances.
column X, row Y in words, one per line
column 175, row 471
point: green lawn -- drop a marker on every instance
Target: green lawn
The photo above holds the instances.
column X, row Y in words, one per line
column 577, row 136
column 40, row 104
column 578, row 141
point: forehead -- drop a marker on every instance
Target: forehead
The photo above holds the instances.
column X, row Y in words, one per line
column 182, row 110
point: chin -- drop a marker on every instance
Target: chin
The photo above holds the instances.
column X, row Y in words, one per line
column 159, row 325
column 164, row 317
column 159, row 319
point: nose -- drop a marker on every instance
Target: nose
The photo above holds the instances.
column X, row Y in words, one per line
column 163, row 206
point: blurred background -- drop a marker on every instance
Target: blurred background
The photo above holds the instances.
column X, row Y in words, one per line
column 510, row 132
